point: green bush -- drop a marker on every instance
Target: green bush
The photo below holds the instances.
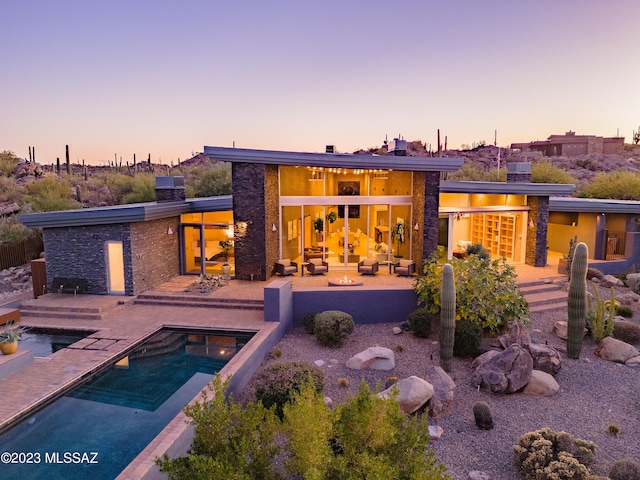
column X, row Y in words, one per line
column 309, row 322
column 620, row 185
column 479, row 250
column 50, row 194
column 624, row 311
column 420, row 322
column 333, row 327
column 486, row 291
column 546, row 172
column 626, row 331
column 364, row 437
column 275, row 384
column 8, row 163
column 548, row 455
column 214, row 181
column 467, row 339
column 625, row 469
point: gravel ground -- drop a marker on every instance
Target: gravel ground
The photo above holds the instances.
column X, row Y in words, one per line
column 593, row 394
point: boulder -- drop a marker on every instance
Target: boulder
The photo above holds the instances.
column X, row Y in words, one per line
column 375, row 358
column 560, row 330
column 413, row 393
column 633, row 281
column 518, row 333
column 616, row 350
column 507, row 372
column 396, row 330
column 611, row 281
column 485, row 357
column 435, row 432
column 443, row 387
column 633, row 362
column 545, row 358
column 541, row 384
column 627, row 298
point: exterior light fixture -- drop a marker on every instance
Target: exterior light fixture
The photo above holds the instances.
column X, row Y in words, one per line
column 416, row 227
column 274, row 228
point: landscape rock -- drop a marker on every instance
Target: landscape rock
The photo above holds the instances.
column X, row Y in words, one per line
column 633, row 362
column 541, row 384
column 397, row 330
column 627, row 298
column 507, row 372
column 485, row 357
column 633, row 281
column 545, row 358
column 478, row 475
column 375, row 358
column 319, row 363
column 611, row 281
column 518, row 333
column 560, row 330
column 328, row 402
column 616, row 350
column 413, row 393
column 443, row 387
column 435, row 432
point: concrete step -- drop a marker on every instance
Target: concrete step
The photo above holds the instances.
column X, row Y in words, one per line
column 39, row 313
column 202, row 302
column 544, row 296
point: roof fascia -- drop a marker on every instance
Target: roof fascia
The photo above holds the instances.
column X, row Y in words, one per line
column 593, row 205
column 517, row 188
column 344, row 160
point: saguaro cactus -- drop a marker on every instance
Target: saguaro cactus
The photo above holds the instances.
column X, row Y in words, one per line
column 577, row 301
column 447, row 317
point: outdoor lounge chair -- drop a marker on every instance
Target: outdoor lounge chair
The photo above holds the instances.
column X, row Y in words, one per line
column 317, row 266
column 404, row 267
column 368, row 266
column 285, row 266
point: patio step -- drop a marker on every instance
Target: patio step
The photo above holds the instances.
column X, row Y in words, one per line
column 48, row 311
column 544, row 296
column 202, row 302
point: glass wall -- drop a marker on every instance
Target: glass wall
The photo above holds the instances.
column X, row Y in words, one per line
column 207, row 243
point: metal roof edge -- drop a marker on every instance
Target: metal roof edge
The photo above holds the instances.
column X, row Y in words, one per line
column 344, row 160
column 534, row 189
column 593, row 205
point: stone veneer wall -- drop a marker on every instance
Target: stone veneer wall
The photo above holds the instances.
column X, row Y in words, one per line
column 431, row 208
column 256, row 204
column 418, row 217
column 154, row 254
column 79, row 252
column 536, row 249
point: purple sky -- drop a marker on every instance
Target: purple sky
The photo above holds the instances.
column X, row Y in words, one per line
column 166, row 78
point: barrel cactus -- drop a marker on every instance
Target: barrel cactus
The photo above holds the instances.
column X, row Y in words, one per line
column 482, row 415
column 577, row 301
column 447, row 317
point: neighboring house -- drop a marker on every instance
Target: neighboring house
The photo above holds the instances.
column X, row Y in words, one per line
column 571, row 145
column 339, row 207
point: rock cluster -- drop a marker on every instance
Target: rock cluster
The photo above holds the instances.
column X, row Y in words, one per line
column 14, row 280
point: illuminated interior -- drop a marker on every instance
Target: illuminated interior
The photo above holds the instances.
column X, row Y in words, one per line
column 208, row 236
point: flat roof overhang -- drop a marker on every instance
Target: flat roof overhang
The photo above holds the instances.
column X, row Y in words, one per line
column 337, row 160
column 512, row 188
column 593, row 205
column 135, row 212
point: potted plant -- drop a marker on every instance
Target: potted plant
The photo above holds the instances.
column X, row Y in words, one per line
column 318, row 227
column 226, row 246
column 9, row 338
column 398, row 235
column 331, row 217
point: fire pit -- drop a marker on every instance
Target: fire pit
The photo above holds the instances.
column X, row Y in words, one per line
column 345, row 282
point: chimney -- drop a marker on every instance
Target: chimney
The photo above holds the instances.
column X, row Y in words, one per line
column 399, row 148
column 519, row 172
column 330, row 149
column 170, row 189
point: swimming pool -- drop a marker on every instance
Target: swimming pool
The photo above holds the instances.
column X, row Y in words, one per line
column 46, row 341
column 97, row 429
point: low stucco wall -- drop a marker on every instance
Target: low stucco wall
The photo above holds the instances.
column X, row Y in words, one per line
column 383, row 304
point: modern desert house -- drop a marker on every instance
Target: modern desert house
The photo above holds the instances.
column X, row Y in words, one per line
column 338, row 207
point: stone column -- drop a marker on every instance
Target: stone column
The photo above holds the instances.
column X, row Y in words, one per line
column 431, row 208
column 536, row 246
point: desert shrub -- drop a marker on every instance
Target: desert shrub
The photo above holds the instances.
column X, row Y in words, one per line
column 467, row 339
column 470, row 171
column 229, row 441
column 333, row 327
column 309, row 322
column 624, row 311
column 479, row 250
column 486, row 291
column 626, row 331
column 143, row 190
column 545, row 454
column 276, row 383
column 620, row 185
column 214, row 181
column 625, row 469
column 546, row 172
column 600, row 315
column 420, row 322
column 364, row 437
column 13, row 231
column 49, row 195
column 8, row 163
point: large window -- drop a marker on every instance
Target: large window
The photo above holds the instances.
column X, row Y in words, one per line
column 208, row 245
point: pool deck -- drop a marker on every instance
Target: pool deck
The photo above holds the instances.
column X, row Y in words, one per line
column 124, row 324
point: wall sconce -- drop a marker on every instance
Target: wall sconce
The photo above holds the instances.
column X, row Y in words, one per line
column 457, row 216
column 274, row 228
column 169, row 231
column 531, row 225
column 416, row 227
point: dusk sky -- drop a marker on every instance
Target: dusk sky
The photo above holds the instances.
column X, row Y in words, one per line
column 168, row 77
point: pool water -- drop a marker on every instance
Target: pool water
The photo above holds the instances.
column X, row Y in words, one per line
column 45, row 341
column 113, row 417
